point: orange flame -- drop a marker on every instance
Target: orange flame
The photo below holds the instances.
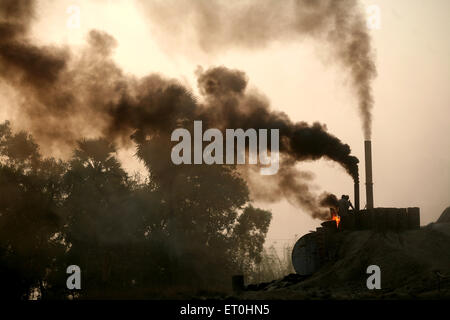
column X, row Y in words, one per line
column 337, row 219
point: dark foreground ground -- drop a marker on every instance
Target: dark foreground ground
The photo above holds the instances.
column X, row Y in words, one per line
column 414, row 264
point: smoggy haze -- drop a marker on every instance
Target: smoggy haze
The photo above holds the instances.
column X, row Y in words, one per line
column 411, row 112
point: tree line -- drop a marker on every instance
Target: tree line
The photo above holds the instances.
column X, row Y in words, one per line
column 177, row 231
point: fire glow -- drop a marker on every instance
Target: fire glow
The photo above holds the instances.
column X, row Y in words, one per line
column 336, row 218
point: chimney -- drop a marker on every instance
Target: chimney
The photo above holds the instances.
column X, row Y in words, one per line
column 369, row 183
column 356, row 196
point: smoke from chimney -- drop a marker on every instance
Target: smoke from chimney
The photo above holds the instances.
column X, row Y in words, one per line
column 64, row 98
column 216, row 25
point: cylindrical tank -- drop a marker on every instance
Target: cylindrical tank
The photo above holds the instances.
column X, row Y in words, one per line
column 305, row 255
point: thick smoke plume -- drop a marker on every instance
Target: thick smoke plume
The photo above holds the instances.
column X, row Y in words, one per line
column 64, row 98
column 216, row 25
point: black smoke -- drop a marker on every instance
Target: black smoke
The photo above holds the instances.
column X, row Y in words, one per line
column 66, row 98
column 216, row 25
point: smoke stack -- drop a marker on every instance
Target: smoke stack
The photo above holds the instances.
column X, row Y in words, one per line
column 356, row 196
column 369, row 183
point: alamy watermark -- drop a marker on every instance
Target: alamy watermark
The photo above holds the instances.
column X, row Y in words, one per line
column 213, row 153
column 374, row 280
column 373, row 13
column 74, row 280
column 74, row 20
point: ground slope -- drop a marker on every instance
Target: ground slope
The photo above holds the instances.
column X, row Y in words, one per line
column 414, row 264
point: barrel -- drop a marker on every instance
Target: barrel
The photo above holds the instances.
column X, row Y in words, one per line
column 237, row 283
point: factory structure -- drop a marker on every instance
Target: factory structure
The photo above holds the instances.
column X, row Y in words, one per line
column 316, row 248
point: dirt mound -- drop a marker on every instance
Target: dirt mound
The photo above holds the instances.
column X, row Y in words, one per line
column 414, row 264
column 445, row 216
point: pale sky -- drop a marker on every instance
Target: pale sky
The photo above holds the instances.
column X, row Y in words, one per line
column 411, row 117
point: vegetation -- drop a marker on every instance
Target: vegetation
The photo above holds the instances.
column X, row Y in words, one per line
column 186, row 228
column 273, row 265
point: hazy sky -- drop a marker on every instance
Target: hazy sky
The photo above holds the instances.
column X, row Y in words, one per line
column 411, row 118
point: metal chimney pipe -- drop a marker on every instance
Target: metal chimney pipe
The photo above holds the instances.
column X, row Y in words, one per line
column 356, row 196
column 369, row 182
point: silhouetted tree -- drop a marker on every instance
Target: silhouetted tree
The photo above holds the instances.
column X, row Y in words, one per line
column 30, row 194
column 184, row 229
column 204, row 216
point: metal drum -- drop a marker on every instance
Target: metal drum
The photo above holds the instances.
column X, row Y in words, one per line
column 305, row 255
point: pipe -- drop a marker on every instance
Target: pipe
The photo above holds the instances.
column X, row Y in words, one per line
column 356, row 196
column 369, row 182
